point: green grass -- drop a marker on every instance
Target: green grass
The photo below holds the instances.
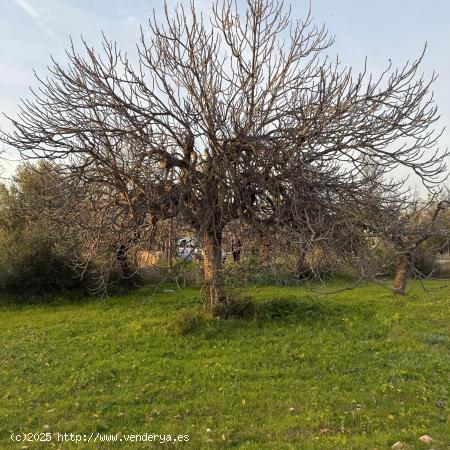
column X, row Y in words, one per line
column 361, row 369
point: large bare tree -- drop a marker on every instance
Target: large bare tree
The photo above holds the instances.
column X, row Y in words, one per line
column 238, row 117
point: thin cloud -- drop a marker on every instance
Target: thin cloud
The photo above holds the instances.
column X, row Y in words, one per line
column 37, row 19
column 130, row 20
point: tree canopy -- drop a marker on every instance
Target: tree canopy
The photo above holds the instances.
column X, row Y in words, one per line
column 238, row 118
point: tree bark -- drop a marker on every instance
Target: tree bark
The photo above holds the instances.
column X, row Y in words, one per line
column 212, row 263
column 122, row 259
column 300, row 261
column 401, row 275
column 130, row 276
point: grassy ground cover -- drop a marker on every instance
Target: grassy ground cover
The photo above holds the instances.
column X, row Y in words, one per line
column 361, row 369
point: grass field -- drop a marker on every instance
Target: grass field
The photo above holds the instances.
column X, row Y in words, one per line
column 361, row 369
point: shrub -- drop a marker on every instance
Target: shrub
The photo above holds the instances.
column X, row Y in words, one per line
column 36, row 269
column 425, row 261
column 236, row 308
column 185, row 322
column 285, row 309
column 32, row 261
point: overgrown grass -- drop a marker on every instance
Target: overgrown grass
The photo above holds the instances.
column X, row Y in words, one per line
column 357, row 370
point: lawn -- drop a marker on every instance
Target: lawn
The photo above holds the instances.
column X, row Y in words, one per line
column 360, row 369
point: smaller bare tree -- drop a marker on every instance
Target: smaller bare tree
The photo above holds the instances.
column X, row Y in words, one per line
column 421, row 223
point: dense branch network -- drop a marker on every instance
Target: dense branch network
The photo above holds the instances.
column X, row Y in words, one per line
column 236, row 118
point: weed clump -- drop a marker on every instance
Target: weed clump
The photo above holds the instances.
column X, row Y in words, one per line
column 236, row 308
column 185, row 322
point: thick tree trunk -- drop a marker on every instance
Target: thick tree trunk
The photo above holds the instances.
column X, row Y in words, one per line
column 401, row 275
column 212, row 263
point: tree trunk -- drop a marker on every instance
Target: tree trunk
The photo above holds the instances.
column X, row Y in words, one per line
column 300, row 261
column 401, row 275
column 212, row 263
column 130, row 276
column 122, row 259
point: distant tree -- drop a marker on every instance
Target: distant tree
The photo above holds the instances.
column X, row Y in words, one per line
column 421, row 223
column 33, row 258
column 237, row 118
column 410, row 231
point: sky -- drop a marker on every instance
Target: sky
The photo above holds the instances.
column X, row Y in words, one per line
column 32, row 30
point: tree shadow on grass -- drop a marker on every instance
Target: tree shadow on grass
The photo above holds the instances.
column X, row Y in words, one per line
column 251, row 315
column 18, row 301
column 300, row 310
column 287, row 309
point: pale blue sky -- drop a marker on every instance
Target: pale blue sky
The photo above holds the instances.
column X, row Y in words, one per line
column 32, row 30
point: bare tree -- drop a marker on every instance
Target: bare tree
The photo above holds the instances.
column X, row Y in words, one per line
column 407, row 230
column 242, row 117
column 422, row 222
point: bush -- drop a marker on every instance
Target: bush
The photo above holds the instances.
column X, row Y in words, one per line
column 32, row 259
column 185, row 322
column 187, row 273
column 183, row 273
column 236, row 308
column 287, row 309
column 425, row 264
column 37, row 270
column 257, row 272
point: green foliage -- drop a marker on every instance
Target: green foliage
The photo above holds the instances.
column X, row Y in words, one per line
column 187, row 273
column 36, row 269
column 425, row 263
column 356, row 370
column 30, row 259
column 185, row 322
column 236, row 307
column 289, row 310
column 255, row 271
column 426, row 257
